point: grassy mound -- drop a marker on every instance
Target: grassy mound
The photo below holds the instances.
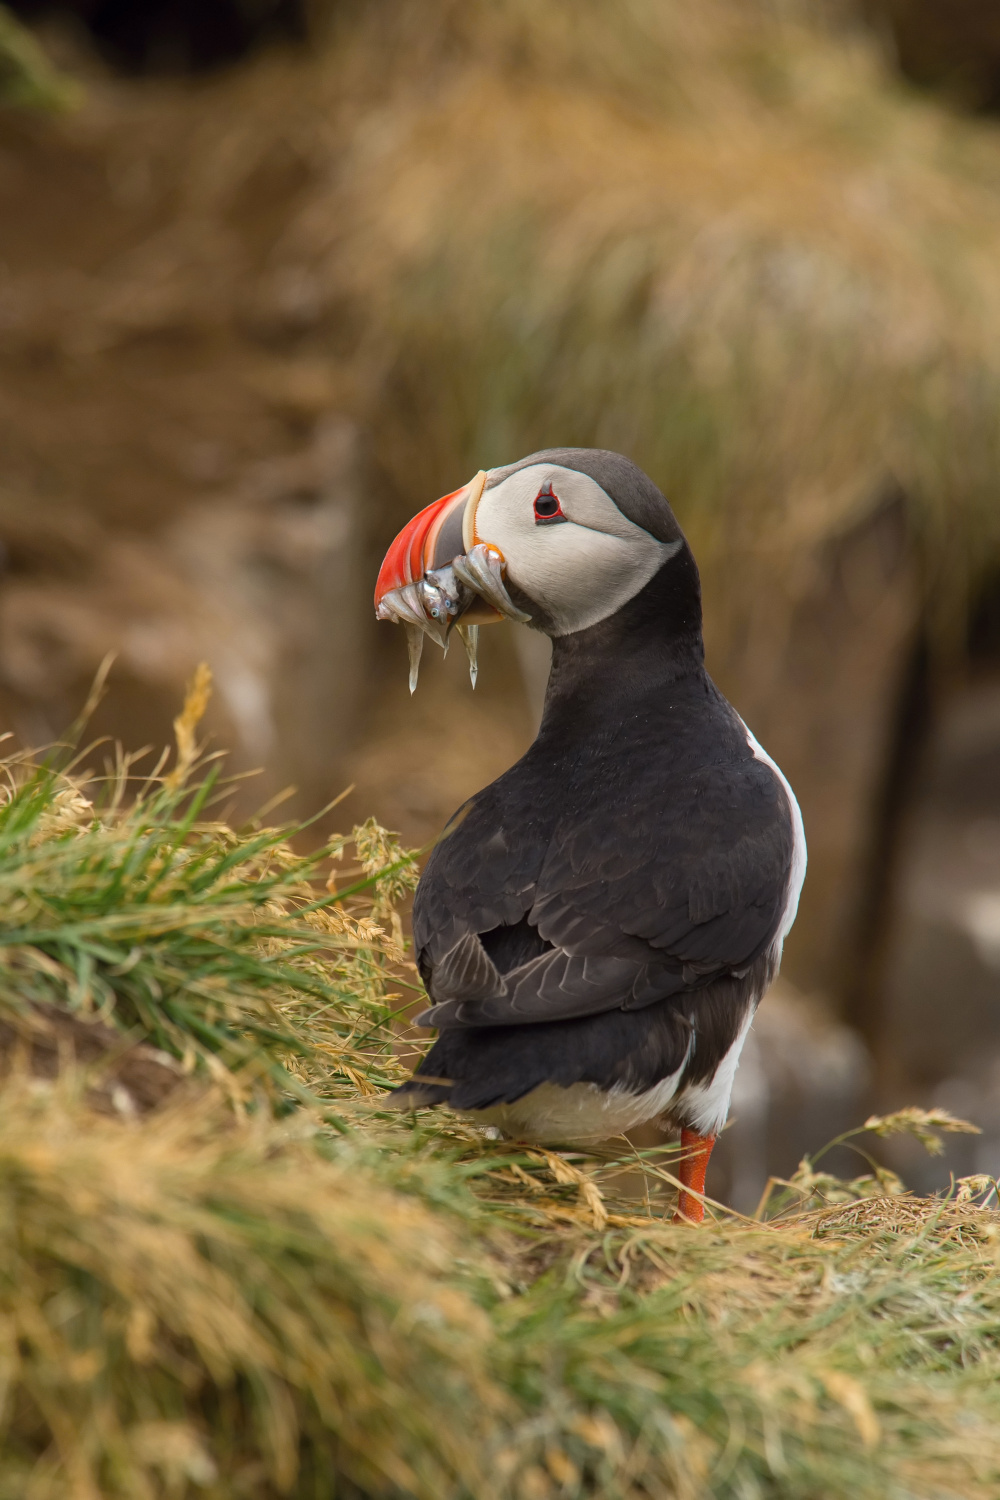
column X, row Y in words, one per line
column 268, row 1285
column 190, row 1306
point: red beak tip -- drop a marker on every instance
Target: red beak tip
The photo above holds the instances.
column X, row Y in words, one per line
column 412, row 551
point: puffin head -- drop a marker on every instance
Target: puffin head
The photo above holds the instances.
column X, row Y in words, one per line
column 561, row 540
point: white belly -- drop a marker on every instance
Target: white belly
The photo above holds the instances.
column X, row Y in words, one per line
column 583, row 1113
column 580, row 1114
column 797, row 873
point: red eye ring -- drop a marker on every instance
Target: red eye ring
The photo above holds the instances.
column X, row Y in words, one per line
column 548, row 511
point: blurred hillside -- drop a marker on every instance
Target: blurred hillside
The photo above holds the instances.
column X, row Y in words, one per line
column 252, row 318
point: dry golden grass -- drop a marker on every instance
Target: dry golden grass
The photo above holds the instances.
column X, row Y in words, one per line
column 193, row 1305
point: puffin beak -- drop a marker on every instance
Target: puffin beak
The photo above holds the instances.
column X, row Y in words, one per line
column 438, row 571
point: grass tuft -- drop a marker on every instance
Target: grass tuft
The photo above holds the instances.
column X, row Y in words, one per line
column 28, row 79
column 124, row 901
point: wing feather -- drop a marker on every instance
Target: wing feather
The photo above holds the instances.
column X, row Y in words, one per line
column 641, row 892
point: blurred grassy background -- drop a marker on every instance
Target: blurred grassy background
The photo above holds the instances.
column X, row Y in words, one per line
column 286, row 273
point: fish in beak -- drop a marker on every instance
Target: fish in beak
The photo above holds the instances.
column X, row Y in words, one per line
column 439, row 573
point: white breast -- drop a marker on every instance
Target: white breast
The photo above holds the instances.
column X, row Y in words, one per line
column 797, row 874
column 580, row 1114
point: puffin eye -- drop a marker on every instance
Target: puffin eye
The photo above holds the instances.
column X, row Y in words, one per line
column 547, row 507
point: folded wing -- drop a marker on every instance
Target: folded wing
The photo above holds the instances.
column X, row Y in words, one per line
column 625, row 899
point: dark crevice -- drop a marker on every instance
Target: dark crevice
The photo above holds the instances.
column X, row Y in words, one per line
column 905, row 763
column 951, row 48
column 912, row 721
column 984, row 628
column 160, row 37
column 514, row 944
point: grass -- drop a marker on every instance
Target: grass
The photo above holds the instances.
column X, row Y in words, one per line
column 272, row 1286
column 28, row 79
column 222, row 947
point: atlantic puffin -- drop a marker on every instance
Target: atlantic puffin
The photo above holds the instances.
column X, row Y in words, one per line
column 596, row 928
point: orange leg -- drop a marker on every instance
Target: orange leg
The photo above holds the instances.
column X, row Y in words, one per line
column 691, row 1171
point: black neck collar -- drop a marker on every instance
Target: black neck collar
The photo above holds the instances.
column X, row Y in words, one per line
column 652, row 640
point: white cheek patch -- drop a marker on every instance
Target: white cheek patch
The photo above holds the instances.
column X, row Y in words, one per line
column 580, row 570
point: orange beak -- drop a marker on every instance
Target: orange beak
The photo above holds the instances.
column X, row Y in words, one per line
column 428, row 542
column 438, row 570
